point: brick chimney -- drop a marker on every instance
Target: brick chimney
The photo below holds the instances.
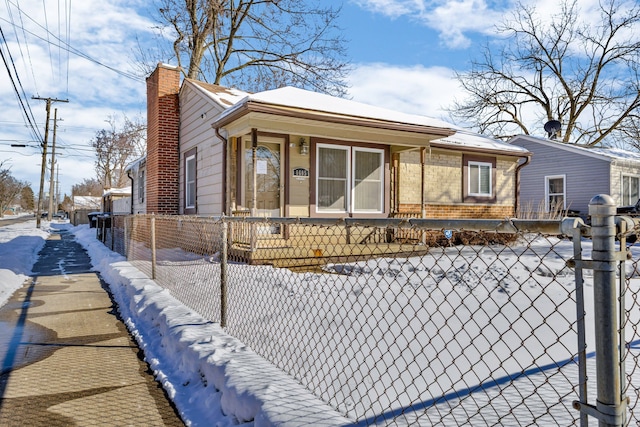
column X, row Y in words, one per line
column 163, row 149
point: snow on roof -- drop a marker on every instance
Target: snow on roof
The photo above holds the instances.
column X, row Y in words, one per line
column 224, row 96
column 136, row 163
column 606, row 153
column 616, row 153
column 80, row 202
column 125, row 191
column 314, row 101
column 307, row 100
column 464, row 138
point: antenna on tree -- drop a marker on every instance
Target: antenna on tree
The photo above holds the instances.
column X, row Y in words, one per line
column 552, row 127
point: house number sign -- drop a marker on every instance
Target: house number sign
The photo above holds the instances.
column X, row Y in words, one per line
column 301, row 173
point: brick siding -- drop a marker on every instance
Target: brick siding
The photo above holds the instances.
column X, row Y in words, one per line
column 459, row 211
column 163, row 152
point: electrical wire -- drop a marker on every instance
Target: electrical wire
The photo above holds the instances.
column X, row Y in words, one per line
column 62, row 44
column 28, row 115
column 20, row 44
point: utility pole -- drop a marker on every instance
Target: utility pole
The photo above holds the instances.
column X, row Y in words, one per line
column 44, row 152
column 57, row 185
column 53, row 164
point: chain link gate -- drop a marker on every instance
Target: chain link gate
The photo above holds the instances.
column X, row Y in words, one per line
column 414, row 322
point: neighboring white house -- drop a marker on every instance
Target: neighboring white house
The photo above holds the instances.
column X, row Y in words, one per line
column 565, row 176
column 117, row 200
column 137, row 172
column 92, row 203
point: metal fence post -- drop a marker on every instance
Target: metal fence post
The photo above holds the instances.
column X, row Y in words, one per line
column 125, row 241
column 112, row 222
column 609, row 406
column 223, row 275
column 153, row 247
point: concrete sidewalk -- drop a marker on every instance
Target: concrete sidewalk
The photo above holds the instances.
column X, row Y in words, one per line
column 66, row 359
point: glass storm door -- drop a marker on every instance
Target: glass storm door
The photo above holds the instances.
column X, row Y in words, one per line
column 267, row 179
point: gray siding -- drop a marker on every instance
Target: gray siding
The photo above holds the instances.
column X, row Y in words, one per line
column 196, row 131
column 585, row 175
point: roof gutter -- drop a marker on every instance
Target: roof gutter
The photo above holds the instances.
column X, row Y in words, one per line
column 445, row 146
column 131, row 179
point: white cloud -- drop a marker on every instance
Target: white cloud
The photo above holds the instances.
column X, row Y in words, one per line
column 391, row 8
column 453, row 19
column 414, row 90
column 103, row 30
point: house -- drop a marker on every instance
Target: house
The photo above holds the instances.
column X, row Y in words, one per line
column 86, row 203
column 117, row 200
column 290, row 152
column 564, row 176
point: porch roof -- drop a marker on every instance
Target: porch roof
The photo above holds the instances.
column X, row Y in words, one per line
column 303, row 104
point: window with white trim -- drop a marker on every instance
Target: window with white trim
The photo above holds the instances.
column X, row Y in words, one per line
column 555, row 191
column 349, row 179
column 190, row 182
column 479, row 179
column 630, row 186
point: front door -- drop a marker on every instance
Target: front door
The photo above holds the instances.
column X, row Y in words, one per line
column 267, row 179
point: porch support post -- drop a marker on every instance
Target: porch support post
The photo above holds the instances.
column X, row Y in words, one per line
column 423, row 211
column 254, row 146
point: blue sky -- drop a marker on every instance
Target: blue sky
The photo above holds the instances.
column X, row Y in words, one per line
column 404, row 54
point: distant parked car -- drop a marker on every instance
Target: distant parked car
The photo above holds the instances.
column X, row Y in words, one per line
column 44, row 215
column 633, row 210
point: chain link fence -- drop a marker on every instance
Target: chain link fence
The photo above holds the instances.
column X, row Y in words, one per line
column 402, row 322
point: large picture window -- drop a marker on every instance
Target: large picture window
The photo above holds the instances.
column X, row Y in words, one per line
column 350, row 179
column 555, row 190
column 630, row 190
column 190, row 186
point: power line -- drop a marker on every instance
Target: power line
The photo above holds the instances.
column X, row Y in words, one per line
column 67, row 47
column 27, row 114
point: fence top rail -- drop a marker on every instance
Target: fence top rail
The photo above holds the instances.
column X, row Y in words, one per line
column 509, row 225
column 563, row 226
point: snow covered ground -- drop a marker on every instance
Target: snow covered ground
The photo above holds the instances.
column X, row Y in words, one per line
column 19, row 247
column 215, row 379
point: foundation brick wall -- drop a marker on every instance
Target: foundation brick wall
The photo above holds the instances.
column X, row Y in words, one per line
column 163, row 152
column 459, row 211
column 443, row 187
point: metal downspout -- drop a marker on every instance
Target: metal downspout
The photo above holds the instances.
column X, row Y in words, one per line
column 131, row 179
column 527, row 159
column 225, row 142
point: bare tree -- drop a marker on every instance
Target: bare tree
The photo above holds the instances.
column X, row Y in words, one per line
column 256, row 44
column 115, row 149
column 88, row 187
column 10, row 188
column 582, row 74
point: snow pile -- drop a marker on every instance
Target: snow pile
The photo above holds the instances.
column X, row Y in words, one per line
column 212, row 378
column 19, row 247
